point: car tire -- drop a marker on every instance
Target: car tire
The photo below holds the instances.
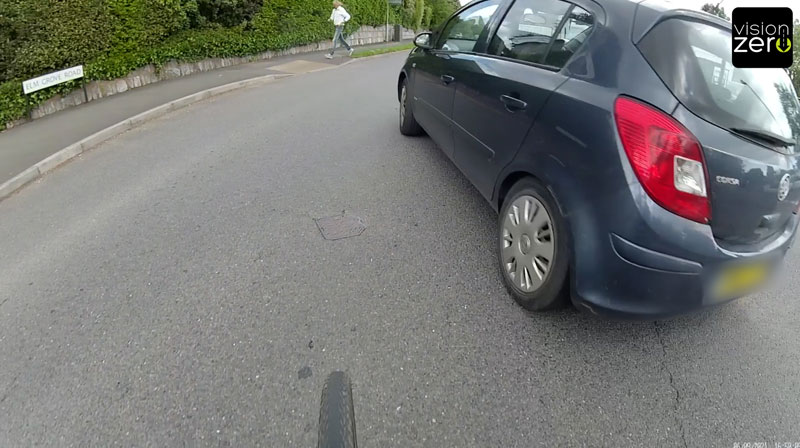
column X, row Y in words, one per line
column 408, row 124
column 533, row 249
column 337, row 418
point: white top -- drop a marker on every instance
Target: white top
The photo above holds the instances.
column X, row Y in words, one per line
column 339, row 16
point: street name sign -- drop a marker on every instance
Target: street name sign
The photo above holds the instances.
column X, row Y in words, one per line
column 51, row 79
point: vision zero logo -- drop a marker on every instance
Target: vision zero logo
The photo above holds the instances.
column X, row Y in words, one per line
column 762, row 37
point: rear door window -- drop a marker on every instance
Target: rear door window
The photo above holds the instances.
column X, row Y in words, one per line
column 694, row 61
column 574, row 32
column 541, row 31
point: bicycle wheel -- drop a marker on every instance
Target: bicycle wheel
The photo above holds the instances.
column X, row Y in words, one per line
column 337, row 418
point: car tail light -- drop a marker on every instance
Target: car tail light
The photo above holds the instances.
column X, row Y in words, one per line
column 666, row 157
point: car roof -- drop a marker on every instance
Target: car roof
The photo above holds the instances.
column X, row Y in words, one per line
column 646, row 13
column 681, row 7
column 650, row 12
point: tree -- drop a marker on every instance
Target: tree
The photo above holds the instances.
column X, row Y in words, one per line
column 441, row 10
column 790, row 108
column 794, row 70
column 407, row 13
column 426, row 21
column 717, row 10
column 419, row 13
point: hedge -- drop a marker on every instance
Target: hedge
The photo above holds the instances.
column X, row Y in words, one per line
column 41, row 36
column 113, row 37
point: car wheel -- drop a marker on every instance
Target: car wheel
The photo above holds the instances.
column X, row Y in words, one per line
column 532, row 248
column 408, row 125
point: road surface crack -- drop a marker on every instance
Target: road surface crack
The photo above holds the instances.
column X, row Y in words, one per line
column 665, row 367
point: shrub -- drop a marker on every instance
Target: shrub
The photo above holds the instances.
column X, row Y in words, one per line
column 138, row 23
column 113, row 37
column 12, row 25
column 227, row 12
column 12, row 102
column 51, row 35
column 291, row 22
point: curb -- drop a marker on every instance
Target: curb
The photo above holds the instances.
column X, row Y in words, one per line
column 68, row 153
column 79, row 147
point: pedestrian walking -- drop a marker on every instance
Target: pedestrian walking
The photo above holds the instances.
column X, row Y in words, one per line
column 339, row 17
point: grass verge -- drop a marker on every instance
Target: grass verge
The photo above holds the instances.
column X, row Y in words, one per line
column 376, row 51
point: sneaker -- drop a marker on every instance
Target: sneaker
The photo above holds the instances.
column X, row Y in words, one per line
column 350, row 52
column 328, row 56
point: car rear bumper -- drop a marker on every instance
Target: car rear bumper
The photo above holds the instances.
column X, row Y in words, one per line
column 629, row 280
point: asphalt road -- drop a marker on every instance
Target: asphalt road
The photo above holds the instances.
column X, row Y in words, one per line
column 170, row 288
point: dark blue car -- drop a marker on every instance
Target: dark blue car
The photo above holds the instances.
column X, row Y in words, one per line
column 636, row 171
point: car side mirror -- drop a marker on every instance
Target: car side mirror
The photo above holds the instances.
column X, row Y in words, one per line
column 423, row 40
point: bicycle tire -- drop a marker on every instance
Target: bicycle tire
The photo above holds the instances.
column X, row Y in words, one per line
column 337, row 418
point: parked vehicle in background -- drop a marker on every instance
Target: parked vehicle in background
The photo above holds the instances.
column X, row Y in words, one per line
column 635, row 170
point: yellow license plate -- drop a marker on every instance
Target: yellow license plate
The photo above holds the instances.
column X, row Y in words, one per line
column 741, row 279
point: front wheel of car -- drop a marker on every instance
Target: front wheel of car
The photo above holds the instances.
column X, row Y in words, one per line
column 532, row 248
column 408, row 125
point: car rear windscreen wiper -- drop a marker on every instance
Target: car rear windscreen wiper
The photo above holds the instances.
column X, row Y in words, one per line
column 766, row 136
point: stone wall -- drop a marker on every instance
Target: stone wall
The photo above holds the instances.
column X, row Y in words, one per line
column 407, row 34
column 173, row 69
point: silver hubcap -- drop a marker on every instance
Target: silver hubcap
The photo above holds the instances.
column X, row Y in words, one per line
column 527, row 244
column 402, row 105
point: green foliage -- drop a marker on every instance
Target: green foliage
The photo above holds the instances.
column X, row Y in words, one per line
column 407, row 13
column 426, row 21
column 715, row 9
column 113, row 37
column 441, row 11
column 139, row 23
column 424, row 14
column 227, row 12
column 291, row 22
column 412, row 14
column 12, row 101
column 377, row 51
column 47, row 35
column 13, row 22
column 192, row 12
column 794, row 70
column 419, row 12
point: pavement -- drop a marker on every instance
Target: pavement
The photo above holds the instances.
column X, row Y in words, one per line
column 171, row 288
column 23, row 146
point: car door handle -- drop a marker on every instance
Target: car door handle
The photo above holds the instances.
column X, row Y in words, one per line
column 447, row 79
column 513, row 104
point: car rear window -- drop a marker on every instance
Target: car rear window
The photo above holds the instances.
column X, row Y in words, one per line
column 694, row 60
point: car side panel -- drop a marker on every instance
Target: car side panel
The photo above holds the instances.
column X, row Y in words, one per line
column 573, row 148
column 486, row 133
column 432, row 99
column 581, row 168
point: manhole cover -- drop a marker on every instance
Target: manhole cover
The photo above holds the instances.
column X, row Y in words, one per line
column 338, row 227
